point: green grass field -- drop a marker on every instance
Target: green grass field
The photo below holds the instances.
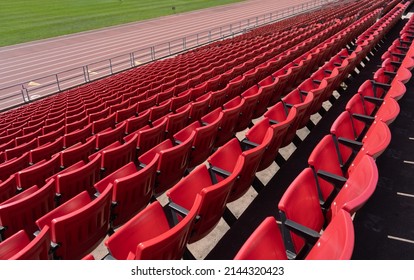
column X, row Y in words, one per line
column 28, row 20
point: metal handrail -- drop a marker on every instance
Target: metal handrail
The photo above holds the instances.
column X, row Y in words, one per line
column 29, row 91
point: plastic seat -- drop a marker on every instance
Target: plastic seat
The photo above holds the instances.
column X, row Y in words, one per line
column 299, row 207
column 72, row 126
column 265, row 243
column 401, row 74
column 303, row 104
column 251, row 97
column 229, row 123
column 337, row 241
column 160, row 111
column 205, row 136
column 123, row 114
column 79, row 225
column 99, row 116
column 81, row 176
column 21, row 247
column 359, row 187
column 51, row 136
column 77, row 152
column 21, row 149
column 136, row 123
column 199, row 107
column 14, row 165
column 149, row 137
column 105, row 138
column 146, row 104
column 258, row 132
column 27, row 137
column 177, row 121
column 21, row 211
column 8, row 188
column 116, row 157
column 172, row 163
column 46, row 151
column 37, row 173
column 149, row 236
column 102, row 124
column 132, row 189
column 214, row 191
column 79, row 135
column 226, row 157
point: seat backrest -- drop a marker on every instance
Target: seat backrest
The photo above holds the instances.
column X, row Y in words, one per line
column 75, row 181
column 325, row 158
column 300, row 204
column 51, row 135
column 79, row 135
column 14, row 165
column 102, row 124
column 21, row 149
column 46, row 151
column 133, row 189
column 115, row 158
column 170, row 244
column 173, row 163
column 82, row 230
column 77, row 152
column 38, row 173
column 229, row 123
column 178, row 120
column 20, row 247
column 358, row 188
column 214, row 197
column 22, row 213
column 135, row 123
column 8, row 188
column 150, row 137
column 265, row 243
column 205, row 138
column 106, row 138
column 337, row 241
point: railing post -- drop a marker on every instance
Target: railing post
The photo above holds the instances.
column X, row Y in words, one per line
column 169, row 47
column 152, row 53
column 132, row 60
column 184, row 44
column 221, row 34
column 231, row 28
column 57, row 82
column 85, row 73
column 197, row 41
column 22, row 91
column 110, row 66
column 209, row 36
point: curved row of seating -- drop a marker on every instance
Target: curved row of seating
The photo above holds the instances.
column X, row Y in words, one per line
column 108, row 141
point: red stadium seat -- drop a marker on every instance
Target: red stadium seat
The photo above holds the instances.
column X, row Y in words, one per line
column 205, row 136
column 172, row 163
column 214, row 192
column 149, row 236
column 81, row 177
column 77, row 152
column 37, row 173
column 21, row 247
column 22, row 210
column 337, row 241
column 265, row 243
column 46, row 151
column 133, row 189
column 68, row 224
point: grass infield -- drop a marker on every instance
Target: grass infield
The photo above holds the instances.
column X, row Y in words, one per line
column 28, row 20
